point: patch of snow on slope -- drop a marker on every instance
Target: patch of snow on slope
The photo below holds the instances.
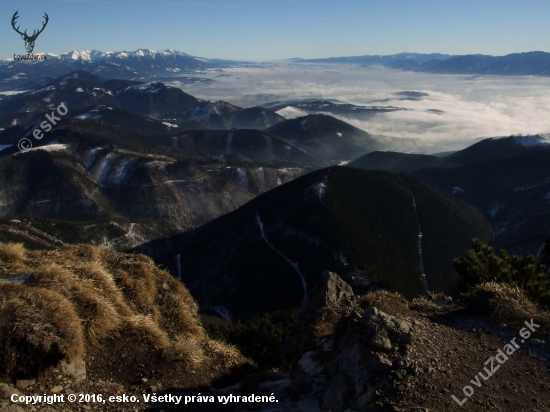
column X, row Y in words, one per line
column 539, row 252
column 342, row 257
column 494, row 210
column 320, row 189
column 339, row 134
column 122, row 171
column 178, row 264
column 500, row 229
column 420, row 252
column 51, row 147
column 269, row 144
column 242, row 178
column 458, row 189
column 89, row 116
column 293, row 264
column 49, row 98
column 146, row 87
column 267, row 120
column 91, row 157
column 223, row 312
column 228, row 145
column 132, row 225
column 105, row 167
column 290, row 112
column 79, row 90
column 522, row 188
column 288, row 150
column 530, row 141
column 13, row 92
column 169, row 124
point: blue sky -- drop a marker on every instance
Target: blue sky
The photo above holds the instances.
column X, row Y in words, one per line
column 278, row 29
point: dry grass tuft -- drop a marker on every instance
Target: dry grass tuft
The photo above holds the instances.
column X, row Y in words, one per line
column 422, row 304
column 150, row 331
column 222, row 354
column 80, row 295
column 188, row 350
column 389, row 302
column 38, row 327
column 97, row 312
column 12, row 253
column 86, row 253
column 326, row 323
column 507, row 305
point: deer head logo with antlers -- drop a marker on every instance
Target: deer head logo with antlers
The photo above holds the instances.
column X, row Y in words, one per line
column 29, row 40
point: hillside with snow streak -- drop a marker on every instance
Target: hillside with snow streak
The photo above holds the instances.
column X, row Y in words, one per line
column 342, row 219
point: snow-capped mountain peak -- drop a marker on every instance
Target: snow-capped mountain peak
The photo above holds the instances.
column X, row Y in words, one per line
column 95, row 55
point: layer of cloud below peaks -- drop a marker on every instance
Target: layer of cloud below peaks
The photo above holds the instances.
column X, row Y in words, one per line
column 472, row 106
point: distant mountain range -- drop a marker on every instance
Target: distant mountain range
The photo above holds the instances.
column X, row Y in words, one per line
column 535, row 63
column 506, row 178
column 141, row 64
column 170, row 65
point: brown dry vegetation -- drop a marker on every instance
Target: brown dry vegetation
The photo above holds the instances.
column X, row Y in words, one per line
column 386, row 301
column 507, row 305
column 79, row 297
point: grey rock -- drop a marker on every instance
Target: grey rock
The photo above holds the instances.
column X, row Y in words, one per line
column 76, row 369
column 6, row 391
column 24, row 383
column 331, row 293
column 358, row 359
column 379, row 342
column 398, row 330
column 56, row 389
column 380, row 363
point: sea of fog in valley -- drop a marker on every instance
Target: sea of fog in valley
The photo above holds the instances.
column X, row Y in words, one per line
column 457, row 111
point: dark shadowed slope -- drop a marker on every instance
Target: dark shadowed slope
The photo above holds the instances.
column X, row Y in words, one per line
column 506, row 178
column 277, row 245
column 326, row 137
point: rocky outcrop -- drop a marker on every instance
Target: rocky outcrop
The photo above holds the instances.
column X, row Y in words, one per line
column 329, row 300
column 349, row 358
column 371, row 347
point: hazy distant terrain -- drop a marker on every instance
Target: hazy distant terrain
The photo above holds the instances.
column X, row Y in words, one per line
column 428, row 103
column 450, row 112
